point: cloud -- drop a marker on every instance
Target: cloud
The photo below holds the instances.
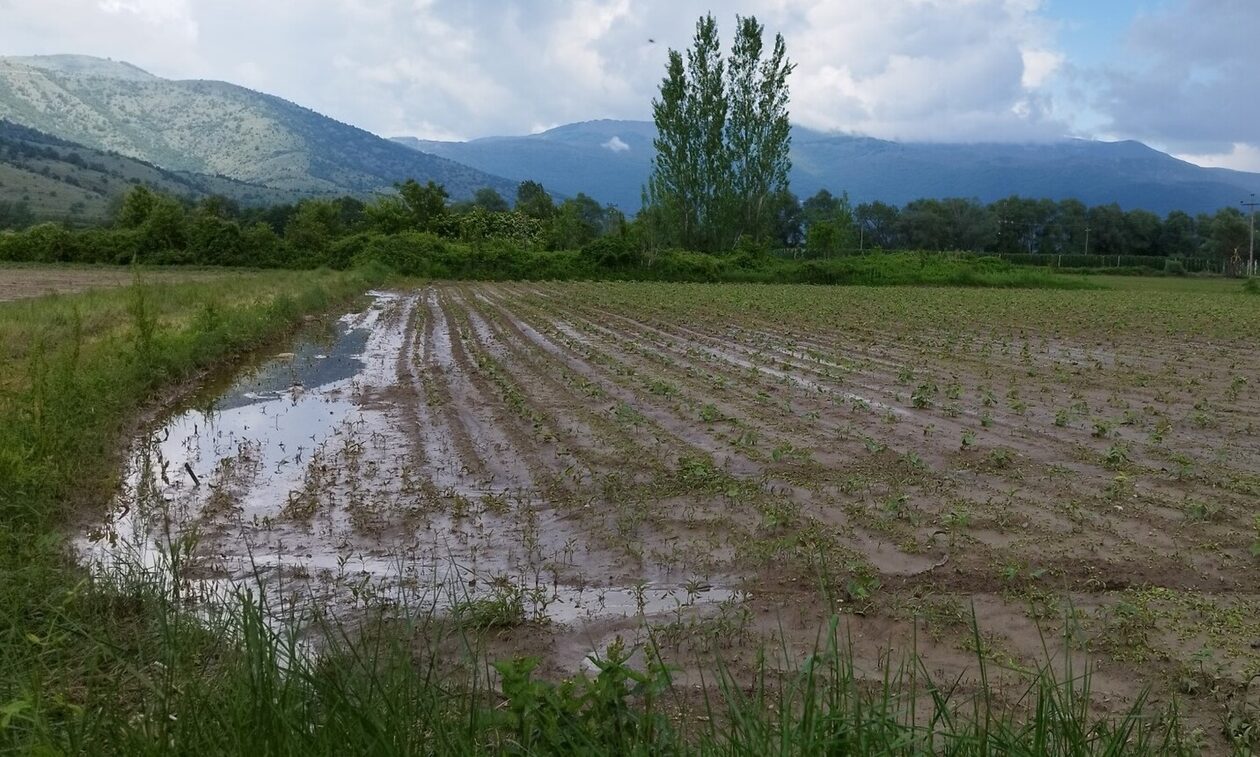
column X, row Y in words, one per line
column 1240, row 156
column 940, row 70
column 615, row 144
column 946, row 69
column 1184, row 82
column 928, row 70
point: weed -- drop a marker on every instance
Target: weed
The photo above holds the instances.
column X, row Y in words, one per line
column 1117, row 456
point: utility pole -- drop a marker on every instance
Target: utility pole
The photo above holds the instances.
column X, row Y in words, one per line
column 1086, row 240
column 1251, row 250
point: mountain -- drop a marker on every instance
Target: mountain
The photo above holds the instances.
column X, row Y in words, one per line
column 58, row 179
column 214, row 128
column 610, row 160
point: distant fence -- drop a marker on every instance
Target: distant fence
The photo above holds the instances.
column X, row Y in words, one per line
column 1156, row 262
column 1193, row 265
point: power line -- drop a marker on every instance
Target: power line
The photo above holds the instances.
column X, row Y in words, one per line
column 1251, row 248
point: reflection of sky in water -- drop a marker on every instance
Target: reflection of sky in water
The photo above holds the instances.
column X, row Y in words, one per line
column 282, row 410
column 267, row 423
column 313, row 365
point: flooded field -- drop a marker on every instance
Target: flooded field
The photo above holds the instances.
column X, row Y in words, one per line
column 567, row 464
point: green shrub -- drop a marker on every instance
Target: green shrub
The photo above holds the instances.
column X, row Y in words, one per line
column 613, row 251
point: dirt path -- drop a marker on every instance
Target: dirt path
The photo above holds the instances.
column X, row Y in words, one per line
column 20, row 282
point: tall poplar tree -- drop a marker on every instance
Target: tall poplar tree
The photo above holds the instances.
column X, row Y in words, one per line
column 670, row 194
column 722, row 139
column 758, row 135
column 705, row 107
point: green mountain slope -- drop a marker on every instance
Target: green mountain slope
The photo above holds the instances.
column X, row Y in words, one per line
column 214, row 128
column 56, row 179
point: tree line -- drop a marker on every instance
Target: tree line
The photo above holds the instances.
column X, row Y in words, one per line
column 826, row 224
column 151, row 227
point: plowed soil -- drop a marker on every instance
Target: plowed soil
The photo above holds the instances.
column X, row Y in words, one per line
column 727, row 467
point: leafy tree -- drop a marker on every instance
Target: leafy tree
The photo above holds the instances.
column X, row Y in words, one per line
column 968, row 224
column 313, row 226
column 533, row 201
column 214, row 240
column 921, row 225
column 834, row 218
column 388, row 214
column 706, row 109
column 578, row 221
column 786, row 219
column 1142, row 229
column 351, row 213
column 136, row 206
column 218, row 206
column 1020, row 224
column 479, row 224
column 821, row 207
column 425, row 206
column 1228, row 232
column 262, row 244
column 878, row 223
column 1068, row 233
column 163, row 228
column 1178, row 235
column 488, row 199
column 1108, row 234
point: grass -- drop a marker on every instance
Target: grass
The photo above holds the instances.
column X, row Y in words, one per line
column 241, row 684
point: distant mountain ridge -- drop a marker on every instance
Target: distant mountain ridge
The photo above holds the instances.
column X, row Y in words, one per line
column 58, row 179
column 214, row 128
column 610, row 160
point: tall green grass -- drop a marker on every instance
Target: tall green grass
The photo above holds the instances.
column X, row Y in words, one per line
column 408, row 682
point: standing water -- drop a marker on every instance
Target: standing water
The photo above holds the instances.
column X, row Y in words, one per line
column 328, row 473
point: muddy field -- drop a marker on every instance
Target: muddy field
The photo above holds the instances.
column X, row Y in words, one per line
column 726, row 467
column 20, row 282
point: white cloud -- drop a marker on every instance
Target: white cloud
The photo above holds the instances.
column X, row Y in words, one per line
column 1039, row 66
column 912, row 69
column 1240, row 157
column 616, row 144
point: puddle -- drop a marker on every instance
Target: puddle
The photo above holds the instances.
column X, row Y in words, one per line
column 325, row 472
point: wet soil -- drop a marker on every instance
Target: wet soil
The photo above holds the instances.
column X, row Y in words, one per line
column 585, row 470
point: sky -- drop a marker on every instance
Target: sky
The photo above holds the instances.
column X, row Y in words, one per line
column 1180, row 75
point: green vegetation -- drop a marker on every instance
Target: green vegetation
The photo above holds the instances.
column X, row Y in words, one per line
column 416, row 233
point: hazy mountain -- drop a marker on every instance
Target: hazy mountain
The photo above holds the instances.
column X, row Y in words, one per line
column 214, row 128
column 59, row 179
column 610, row 160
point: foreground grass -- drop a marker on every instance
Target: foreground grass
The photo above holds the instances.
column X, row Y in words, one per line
column 74, row 371
column 122, row 667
